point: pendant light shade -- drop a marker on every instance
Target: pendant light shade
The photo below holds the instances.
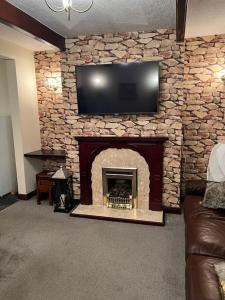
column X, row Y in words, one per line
column 67, row 6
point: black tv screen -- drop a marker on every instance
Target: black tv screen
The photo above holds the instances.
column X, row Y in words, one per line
column 131, row 88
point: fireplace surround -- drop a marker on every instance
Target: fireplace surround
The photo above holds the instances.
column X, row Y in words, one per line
column 150, row 148
column 149, row 151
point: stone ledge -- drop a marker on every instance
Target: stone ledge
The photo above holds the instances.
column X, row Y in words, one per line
column 123, row 215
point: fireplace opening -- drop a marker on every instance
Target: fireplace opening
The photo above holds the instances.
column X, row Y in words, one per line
column 120, row 187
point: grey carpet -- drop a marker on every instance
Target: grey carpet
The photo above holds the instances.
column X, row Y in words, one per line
column 51, row 256
column 7, row 200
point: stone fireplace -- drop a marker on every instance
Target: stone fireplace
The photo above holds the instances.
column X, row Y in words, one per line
column 121, row 178
column 121, row 159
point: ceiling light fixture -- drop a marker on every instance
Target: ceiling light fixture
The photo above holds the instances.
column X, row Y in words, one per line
column 67, row 6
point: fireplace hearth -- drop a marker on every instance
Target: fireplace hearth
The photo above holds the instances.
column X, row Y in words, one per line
column 119, row 187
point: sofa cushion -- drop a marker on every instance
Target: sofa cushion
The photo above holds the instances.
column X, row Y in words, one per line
column 201, row 278
column 220, row 271
column 194, row 209
column 206, row 236
column 214, row 195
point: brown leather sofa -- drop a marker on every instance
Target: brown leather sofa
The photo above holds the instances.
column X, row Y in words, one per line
column 205, row 245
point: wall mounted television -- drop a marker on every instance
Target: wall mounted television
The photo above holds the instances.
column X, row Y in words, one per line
column 114, row 89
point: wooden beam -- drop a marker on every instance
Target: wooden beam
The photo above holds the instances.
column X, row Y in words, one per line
column 181, row 13
column 10, row 14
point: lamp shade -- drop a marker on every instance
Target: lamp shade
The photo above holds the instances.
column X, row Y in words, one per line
column 61, row 173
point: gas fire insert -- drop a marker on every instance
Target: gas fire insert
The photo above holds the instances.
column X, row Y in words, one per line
column 120, row 187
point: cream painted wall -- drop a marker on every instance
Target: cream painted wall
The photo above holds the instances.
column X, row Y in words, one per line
column 8, row 178
column 24, row 111
column 4, row 95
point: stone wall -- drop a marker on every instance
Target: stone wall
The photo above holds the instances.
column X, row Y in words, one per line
column 202, row 113
column 204, row 107
column 51, row 104
column 114, row 48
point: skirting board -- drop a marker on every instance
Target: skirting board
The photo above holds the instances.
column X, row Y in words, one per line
column 27, row 196
column 172, row 210
column 5, row 195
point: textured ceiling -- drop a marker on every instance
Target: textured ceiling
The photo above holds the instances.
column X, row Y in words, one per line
column 205, row 17
column 104, row 16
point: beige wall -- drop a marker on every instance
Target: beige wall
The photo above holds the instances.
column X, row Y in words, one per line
column 24, row 111
column 4, row 95
column 8, row 178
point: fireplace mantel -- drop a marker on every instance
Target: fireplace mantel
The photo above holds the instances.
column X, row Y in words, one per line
column 151, row 148
column 123, row 139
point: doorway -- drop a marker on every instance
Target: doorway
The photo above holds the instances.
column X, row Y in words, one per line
column 8, row 176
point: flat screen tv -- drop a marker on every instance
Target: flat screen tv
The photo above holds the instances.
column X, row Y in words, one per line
column 131, row 88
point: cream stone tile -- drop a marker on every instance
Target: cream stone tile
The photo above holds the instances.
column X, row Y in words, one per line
column 134, row 214
column 121, row 158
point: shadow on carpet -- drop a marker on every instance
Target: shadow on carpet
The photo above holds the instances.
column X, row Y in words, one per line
column 7, row 200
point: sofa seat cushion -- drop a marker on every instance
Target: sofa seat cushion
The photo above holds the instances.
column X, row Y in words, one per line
column 201, row 278
column 206, row 236
column 194, row 209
